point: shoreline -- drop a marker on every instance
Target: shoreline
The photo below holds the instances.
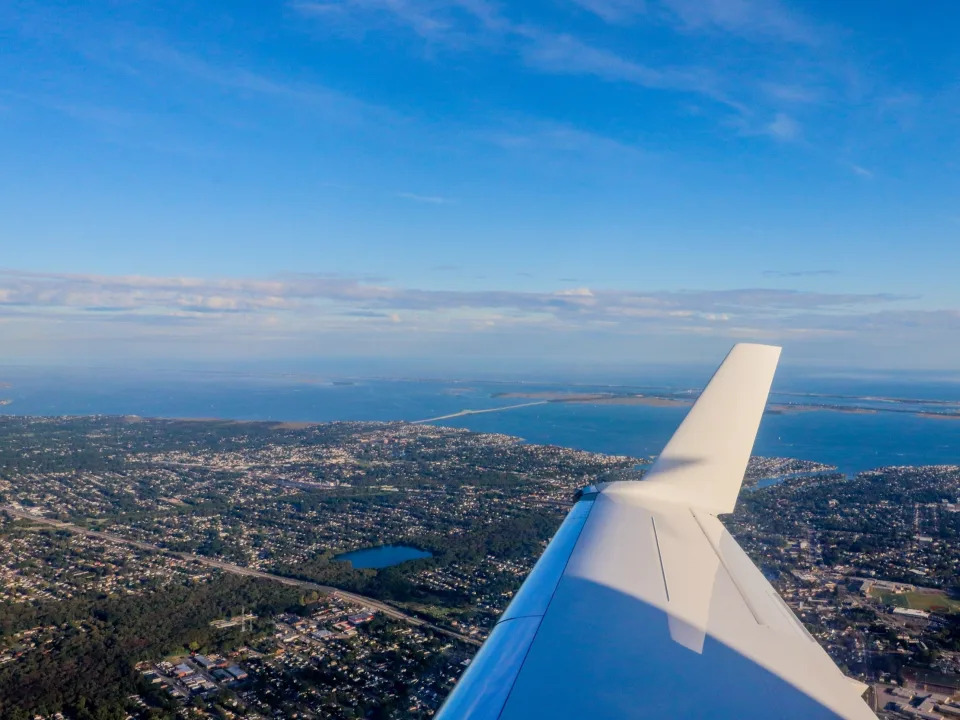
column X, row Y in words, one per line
column 665, row 401
column 533, row 399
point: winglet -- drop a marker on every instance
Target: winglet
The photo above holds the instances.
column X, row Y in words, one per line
column 703, row 463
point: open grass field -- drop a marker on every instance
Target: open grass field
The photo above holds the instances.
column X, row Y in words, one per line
column 917, row 600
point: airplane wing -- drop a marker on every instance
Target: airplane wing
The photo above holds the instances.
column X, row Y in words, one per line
column 644, row 606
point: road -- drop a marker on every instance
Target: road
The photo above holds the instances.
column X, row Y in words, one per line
column 463, row 413
column 371, row 603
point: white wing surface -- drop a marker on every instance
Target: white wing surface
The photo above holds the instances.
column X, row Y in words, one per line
column 644, row 606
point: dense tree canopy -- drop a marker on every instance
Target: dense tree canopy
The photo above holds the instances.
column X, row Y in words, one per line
column 90, row 669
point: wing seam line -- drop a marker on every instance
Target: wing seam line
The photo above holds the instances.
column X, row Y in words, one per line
column 663, row 570
column 788, row 613
column 733, row 579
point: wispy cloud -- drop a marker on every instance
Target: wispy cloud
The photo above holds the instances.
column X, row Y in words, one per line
column 786, row 80
column 94, row 114
column 567, row 55
column 453, row 20
column 313, row 96
column 751, row 18
column 791, row 92
column 556, row 141
column 428, row 199
column 464, row 24
column 614, row 11
column 459, row 23
column 798, row 273
column 783, row 127
column 139, row 55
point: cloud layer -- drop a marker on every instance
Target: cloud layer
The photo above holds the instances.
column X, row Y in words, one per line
column 79, row 318
column 312, row 293
column 313, row 306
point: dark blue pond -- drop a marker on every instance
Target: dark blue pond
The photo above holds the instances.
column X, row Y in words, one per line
column 383, row 556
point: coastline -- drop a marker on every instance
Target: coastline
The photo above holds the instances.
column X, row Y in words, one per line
column 663, row 401
column 598, row 398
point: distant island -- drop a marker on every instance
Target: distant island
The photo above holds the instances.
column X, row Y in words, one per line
column 599, row 398
column 781, row 408
column 678, row 400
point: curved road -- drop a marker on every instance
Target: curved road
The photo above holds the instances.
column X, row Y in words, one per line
column 387, row 610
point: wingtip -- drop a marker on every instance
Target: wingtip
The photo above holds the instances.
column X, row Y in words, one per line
column 757, row 348
column 703, row 463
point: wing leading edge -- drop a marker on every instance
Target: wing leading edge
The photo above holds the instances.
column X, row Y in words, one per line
column 644, row 606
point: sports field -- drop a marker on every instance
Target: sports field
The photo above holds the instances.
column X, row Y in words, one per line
column 931, row 601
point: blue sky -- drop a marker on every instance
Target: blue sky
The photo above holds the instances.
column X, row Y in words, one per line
column 609, row 180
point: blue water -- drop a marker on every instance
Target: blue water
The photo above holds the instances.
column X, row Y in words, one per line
column 383, row 556
column 853, row 442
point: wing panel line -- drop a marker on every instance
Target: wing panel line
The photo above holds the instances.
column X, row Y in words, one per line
column 663, row 571
column 792, row 617
column 733, row 578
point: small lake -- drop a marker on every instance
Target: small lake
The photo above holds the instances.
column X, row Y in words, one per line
column 383, row 556
column 777, row 479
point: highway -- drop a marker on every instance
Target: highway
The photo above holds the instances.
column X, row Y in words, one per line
column 464, row 413
column 371, row 603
